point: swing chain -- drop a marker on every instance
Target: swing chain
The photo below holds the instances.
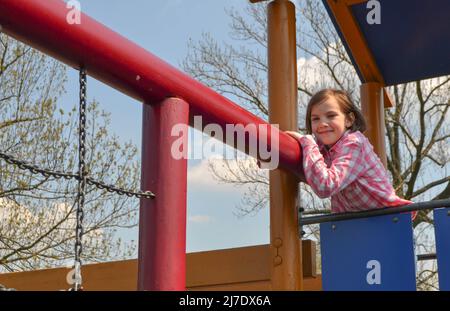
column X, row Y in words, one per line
column 81, row 181
column 58, row 174
column 82, row 177
column 34, row 169
column 128, row 193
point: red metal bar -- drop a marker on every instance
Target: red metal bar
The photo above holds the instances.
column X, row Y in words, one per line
column 120, row 63
column 162, row 221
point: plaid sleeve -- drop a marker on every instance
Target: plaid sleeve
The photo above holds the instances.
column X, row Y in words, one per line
column 347, row 165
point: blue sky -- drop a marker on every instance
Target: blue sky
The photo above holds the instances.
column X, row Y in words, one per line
column 164, row 28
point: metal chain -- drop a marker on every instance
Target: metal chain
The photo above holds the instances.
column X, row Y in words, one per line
column 82, row 174
column 23, row 165
column 82, row 178
column 128, row 193
column 35, row 169
column 81, row 181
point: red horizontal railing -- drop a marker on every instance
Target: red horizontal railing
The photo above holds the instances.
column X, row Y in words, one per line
column 122, row 64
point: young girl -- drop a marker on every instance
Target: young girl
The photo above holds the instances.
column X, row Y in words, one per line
column 339, row 161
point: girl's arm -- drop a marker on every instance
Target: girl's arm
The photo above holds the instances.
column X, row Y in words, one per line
column 347, row 166
column 300, row 173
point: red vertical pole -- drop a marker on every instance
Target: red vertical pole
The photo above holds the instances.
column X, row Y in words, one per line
column 162, row 220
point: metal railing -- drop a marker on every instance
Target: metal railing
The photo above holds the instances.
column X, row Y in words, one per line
column 372, row 213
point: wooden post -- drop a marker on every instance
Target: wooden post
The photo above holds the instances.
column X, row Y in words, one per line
column 285, row 245
column 372, row 107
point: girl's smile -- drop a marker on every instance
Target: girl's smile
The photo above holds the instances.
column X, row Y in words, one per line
column 328, row 122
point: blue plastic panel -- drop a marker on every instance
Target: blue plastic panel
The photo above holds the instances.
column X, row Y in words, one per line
column 442, row 233
column 369, row 254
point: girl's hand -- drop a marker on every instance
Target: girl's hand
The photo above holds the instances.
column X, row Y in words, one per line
column 302, row 139
column 300, row 174
column 295, row 135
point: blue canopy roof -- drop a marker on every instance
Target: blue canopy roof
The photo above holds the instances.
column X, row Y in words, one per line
column 411, row 42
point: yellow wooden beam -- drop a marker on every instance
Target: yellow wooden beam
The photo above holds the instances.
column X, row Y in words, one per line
column 356, row 43
column 372, row 109
column 285, row 248
column 244, row 268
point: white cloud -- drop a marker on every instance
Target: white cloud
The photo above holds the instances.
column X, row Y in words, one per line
column 202, row 146
column 201, row 219
column 201, row 178
column 313, row 75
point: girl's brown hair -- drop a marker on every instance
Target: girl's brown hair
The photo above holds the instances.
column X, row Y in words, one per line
column 345, row 103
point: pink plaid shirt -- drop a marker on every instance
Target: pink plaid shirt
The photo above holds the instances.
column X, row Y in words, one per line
column 349, row 172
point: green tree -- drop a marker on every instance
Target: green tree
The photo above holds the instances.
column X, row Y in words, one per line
column 37, row 213
column 417, row 128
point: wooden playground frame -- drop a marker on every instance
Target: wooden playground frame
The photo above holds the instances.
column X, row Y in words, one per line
column 171, row 97
column 244, row 268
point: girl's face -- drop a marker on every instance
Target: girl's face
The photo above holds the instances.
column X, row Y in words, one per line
column 328, row 122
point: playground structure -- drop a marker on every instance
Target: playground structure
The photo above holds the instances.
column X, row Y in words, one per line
column 172, row 97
